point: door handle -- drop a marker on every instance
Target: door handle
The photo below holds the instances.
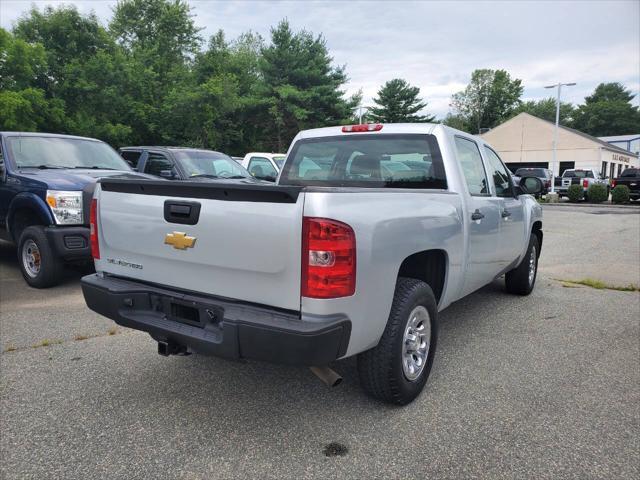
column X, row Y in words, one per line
column 506, row 214
column 477, row 215
column 183, row 212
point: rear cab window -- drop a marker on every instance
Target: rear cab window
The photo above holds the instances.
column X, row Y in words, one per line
column 370, row 161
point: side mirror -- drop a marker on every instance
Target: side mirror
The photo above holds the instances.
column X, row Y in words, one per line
column 530, row 185
column 168, row 174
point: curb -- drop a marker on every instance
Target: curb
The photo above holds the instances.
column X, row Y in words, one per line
column 591, row 205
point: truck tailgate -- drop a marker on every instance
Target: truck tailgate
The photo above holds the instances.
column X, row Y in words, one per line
column 247, row 238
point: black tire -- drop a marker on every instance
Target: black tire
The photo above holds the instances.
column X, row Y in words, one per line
column 518, row 280
column 50, row 267
column 381, row 368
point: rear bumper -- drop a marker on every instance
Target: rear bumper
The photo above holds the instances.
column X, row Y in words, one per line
column 70, row 243
column 215, row 326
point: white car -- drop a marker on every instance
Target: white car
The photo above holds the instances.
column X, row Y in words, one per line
column 265, row 166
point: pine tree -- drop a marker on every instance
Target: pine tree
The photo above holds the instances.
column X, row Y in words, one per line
column 398, row 102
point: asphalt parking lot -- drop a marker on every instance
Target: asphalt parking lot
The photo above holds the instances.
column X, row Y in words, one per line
column 546, row 386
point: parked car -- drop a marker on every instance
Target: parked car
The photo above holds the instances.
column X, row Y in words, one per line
column 631, row 178
column 584, row 177
column 544, row 174
column 46, row 185
column 176, row 163
column 264, row 166
column 337, row 259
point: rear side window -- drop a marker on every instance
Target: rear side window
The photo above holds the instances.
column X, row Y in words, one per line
column 373, row 161
column 472, row 167
column 131, row 157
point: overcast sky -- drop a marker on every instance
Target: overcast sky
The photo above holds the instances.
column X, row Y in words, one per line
column 436, row 45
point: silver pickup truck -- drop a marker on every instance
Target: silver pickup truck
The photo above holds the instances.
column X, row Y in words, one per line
column 369, row 232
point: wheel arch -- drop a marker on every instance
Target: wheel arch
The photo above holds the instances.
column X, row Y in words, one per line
column 25, row 210
column 536, row 229
column 430, row 266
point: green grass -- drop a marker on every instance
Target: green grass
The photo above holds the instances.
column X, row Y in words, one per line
column 46, row 343
column 599, row 285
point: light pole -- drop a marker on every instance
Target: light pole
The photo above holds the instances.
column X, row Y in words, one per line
column 360, row 108
column 555, row 132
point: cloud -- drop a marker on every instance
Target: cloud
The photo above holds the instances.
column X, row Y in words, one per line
column 436, row 45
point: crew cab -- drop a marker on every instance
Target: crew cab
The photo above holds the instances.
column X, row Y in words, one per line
column 46, row 185
column 631, row 178
column 341, row 257
column 176, row 163
column 584, row 177
column 264, row 166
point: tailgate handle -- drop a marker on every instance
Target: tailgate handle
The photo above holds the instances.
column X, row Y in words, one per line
column 179, row 211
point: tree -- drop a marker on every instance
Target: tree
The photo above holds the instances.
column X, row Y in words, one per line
column 489, row 99
column 161, row 33
column 67, row 37
column 301, row 88
column 546, row 109
column 608, row 111
column 23, row 106
column 398, row 102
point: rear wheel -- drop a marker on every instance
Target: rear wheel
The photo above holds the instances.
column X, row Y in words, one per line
column 396, row 370
column 38, row 263
column 522, row 279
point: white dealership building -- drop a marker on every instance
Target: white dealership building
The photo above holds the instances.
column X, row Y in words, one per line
column 527, row 141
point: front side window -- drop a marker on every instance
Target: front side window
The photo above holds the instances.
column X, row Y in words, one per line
column 158, row 163
column 261, row 167
column 61, row 152
column 368, row 160
column 500, row 174
column 472, row 167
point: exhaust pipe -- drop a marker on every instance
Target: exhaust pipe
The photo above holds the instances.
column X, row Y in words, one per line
column 328, row 376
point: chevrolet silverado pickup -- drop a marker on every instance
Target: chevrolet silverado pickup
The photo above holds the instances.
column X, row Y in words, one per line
column 584, row 177
column 369, row 232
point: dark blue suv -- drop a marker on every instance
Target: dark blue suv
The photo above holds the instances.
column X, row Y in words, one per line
column 46, row 186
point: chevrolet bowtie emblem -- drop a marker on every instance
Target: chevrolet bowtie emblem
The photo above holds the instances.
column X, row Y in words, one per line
column 179, row 240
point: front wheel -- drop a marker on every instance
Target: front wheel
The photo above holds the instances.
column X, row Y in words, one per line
column 396, row 370
column 522, row 279
column 38, row 263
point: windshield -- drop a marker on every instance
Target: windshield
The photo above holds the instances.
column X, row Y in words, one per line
column 531, row 172
column 396, row 161
column 211, row 164
column 60, row 152
column 279, row 161
column 578, row 173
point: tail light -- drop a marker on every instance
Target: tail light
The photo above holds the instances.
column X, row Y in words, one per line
column 93, row 233
column 613, row 183
column 328, row 259
column 365, row 127
column 585, row 183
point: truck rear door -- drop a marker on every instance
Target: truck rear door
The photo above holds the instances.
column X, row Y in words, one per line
column 236, row 241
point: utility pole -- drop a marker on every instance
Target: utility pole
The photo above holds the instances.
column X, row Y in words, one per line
column 555, row 132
